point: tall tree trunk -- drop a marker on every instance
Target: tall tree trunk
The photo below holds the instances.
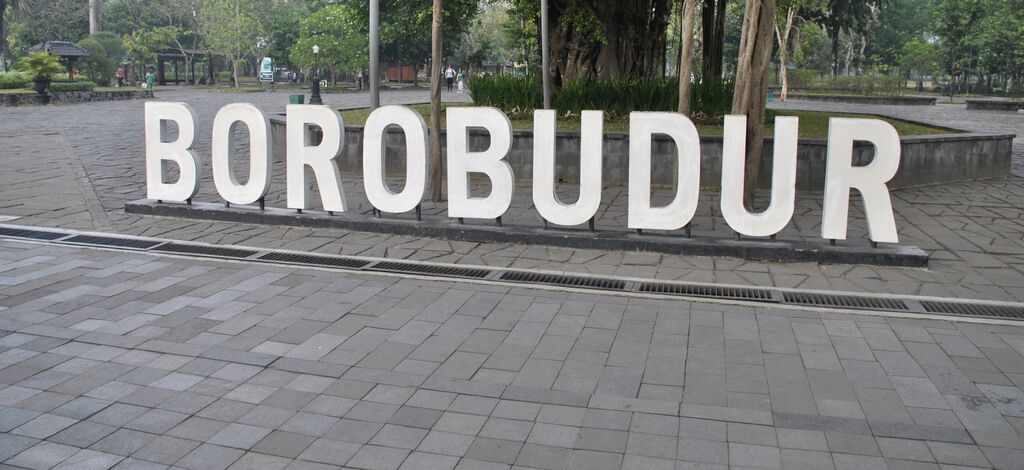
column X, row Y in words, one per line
column 834, row 36
column 234, row 70
column 686, row 56
column 713, row 40
column 783, row 37
column 94, row 16
column 435, row 103
column 752, row 84
column 3, row 37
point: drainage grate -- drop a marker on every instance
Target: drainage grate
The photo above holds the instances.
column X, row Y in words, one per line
column 204, row 250
column 563, row 280
column 113, row 241
column 738, row 293
column 429, row 270
column 973, row 310
column 314, row 260
column 844, row 301
column 34, row 234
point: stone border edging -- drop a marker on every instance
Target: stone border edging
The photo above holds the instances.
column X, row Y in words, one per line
column 431, row 227
column 995, row 105
column 72, row 97
column 866, row 99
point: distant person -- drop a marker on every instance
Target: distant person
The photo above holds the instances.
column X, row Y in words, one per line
column 462, row 81
column 149, row 79
column 449, row 75
column 120, row 76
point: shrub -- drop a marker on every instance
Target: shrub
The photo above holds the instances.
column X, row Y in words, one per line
column 14, row 80
column 515, row 96
column 520, row 96
column 40, row 66
column 77, row 85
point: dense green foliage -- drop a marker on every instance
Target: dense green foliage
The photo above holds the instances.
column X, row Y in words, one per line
column 77, row 85
column 617, row 98
column 13, row 80
column 39, row 66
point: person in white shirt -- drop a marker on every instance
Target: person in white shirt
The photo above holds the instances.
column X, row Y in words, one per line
column 449, row 75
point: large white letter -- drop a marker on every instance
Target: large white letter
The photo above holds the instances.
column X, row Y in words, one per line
column 259, row 153
column 377, row 190
column 320, row 157
column 179, row 151
column 734, row 151
column 544, row 197
column 491, row 162
column 869, row 180
column 642, row 126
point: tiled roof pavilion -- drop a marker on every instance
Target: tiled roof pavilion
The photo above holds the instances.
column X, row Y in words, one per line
column 60, row 49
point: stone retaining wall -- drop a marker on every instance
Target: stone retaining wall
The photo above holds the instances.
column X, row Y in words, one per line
column 926, row 160
column 995, row 105
column 884, row 100
column 71, row 97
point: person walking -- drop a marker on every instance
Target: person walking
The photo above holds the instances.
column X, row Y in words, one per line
column 149, row 78
column 120, row 76
column 462, row 81
column 449, row 75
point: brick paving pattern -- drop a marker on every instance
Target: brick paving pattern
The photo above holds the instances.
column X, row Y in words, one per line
column 128, row 360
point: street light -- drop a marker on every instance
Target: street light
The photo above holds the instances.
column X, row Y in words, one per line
column 314, row 97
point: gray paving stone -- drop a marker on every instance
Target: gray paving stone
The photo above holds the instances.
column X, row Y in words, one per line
column 329, row 451
column 165, row 450
column 494, row 450
column 209, row 456
column 241, row 436
column 284, row 444
column 376, row 457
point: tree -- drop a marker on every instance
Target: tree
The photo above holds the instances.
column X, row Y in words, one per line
column 107, row 50
column 436, row 48
column 338, row 31
column 752, row 84
column 850, row 16
column 713, row 16
column 783, row 28
column 685, row 55
column 918, row 59
column 605, row 39
column 94, row 16
column 229, row 27
column 19, row 8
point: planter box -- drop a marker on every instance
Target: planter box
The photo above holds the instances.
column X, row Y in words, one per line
column 926, row 160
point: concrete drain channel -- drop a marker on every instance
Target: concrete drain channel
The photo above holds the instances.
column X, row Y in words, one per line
column 767, row 297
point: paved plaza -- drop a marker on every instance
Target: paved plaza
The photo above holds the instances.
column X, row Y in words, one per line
column 115, row 359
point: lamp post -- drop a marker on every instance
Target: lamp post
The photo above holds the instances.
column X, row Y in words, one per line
column 314, row 97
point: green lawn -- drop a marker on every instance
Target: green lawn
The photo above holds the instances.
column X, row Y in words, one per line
column 812, row 124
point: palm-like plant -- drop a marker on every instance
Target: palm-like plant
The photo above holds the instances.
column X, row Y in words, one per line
column 19, row 8
column 42, row 66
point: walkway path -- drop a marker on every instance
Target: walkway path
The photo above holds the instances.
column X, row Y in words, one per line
column 146, row 361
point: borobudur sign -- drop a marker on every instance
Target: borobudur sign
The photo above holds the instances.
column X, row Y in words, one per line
column 301, row 152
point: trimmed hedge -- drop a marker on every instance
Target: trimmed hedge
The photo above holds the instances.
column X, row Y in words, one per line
column 13, row 80
column 78, row 85
column 617, row 98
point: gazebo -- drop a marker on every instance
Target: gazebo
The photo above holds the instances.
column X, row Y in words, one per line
column 66, row 50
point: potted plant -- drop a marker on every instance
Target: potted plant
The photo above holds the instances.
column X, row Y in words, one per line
column 42, row 66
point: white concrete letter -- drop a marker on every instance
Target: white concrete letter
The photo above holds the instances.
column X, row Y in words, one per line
column 491, row 162
column 179, row 151
column 642, row 126
column 320, row 157
column 869, row 180
column 377, row 191
column 734, row 151
column 259, row 153
column 544, row 197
